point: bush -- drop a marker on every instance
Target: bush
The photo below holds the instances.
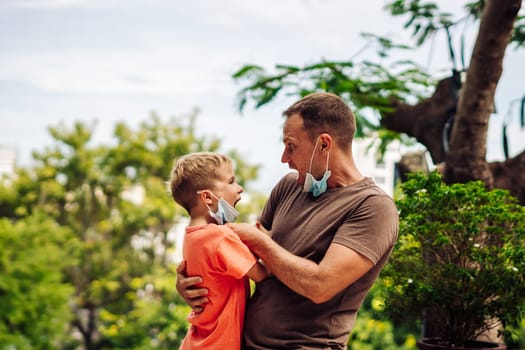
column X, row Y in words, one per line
column 459, row 262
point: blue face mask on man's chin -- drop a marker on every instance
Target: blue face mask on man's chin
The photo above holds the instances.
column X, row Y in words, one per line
column 317, row 187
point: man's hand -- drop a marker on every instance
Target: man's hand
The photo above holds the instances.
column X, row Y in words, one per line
column 194, row 297
column 262, row 229
column 249, row 234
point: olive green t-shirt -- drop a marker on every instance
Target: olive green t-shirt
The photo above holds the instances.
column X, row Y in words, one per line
column 361, row 217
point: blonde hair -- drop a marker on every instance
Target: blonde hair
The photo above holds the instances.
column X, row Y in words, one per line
column 194, row 172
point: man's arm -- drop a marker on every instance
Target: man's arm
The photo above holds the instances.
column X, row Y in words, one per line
column 340, row 267
column 194, row 297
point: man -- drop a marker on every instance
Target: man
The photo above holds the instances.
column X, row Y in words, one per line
column 331, row 232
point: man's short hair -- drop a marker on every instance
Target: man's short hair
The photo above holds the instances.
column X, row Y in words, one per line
column 325, row 112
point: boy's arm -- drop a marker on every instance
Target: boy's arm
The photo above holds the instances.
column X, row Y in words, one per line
column 258, row 272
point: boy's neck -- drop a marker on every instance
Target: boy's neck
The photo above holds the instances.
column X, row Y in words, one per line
column 200, row 221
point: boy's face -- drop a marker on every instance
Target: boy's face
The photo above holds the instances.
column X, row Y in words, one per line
column 226, row 185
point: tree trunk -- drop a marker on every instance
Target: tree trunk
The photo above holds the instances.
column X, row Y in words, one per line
column 466, row 159
column 462, row 154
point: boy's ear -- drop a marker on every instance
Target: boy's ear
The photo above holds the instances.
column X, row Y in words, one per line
column 205, row 196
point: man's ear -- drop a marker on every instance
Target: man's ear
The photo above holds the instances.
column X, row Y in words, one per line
column 326, row 141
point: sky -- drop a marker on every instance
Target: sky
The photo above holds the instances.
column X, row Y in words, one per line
column 107, row 61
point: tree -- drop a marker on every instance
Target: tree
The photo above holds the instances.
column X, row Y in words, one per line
column 114, row 200
column 34, row 297
column 452, row 122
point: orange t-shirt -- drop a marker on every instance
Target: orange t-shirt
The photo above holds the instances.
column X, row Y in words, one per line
column 217, row 254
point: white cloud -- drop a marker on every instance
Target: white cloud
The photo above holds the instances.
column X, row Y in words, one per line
column 163, row 70
column 114, row 59
column 60, row 4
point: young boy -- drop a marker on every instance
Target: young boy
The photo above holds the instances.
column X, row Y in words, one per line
column 204, row 184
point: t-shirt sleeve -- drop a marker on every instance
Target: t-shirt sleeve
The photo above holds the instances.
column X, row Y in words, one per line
column 372, row 228
column 233, row 257
column 279, row 191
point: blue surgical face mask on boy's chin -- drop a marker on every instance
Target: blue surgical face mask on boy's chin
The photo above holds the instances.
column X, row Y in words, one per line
column 225, row 212
column 317, row 187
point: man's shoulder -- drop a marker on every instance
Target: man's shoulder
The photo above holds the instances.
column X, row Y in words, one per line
column 369, row 188
column 288, row 181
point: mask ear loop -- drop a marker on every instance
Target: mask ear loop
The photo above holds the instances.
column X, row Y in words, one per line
column 312, row 157
column 211, row 193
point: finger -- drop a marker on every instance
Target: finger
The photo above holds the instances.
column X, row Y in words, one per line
column 262, row 228
column 198, row 302
column 198, row 309
column 181, row 269
column 188, row 282
column 196, row 294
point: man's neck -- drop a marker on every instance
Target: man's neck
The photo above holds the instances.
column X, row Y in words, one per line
column 345, row 176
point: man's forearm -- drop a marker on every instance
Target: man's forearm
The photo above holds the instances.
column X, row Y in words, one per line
column 299, row 274
column 340, row 267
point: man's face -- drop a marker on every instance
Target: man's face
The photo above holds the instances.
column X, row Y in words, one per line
column 298, row 147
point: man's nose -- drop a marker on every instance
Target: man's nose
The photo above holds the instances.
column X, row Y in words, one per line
column 284, row 157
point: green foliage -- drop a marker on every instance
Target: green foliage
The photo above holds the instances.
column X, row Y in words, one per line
column 157, row 319
column 518, row 34
column 371, row 88
column 460, row 257
column 34, row 312
column 250, row 206
column 374, row 334
column 374, row 331
column 424, row 18
column 368, row 87
column 114, row 202
column 516, row 340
